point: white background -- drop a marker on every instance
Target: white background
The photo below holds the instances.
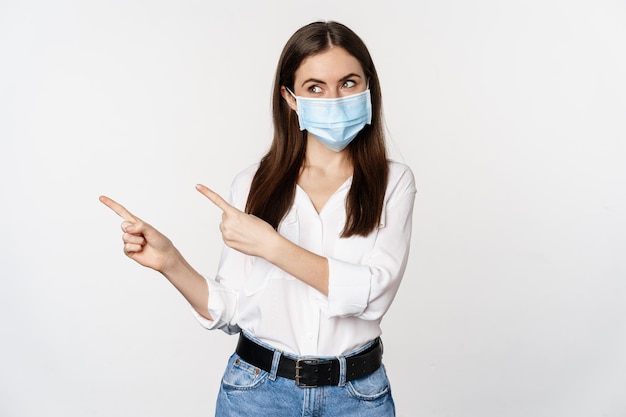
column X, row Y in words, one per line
column 511, row 114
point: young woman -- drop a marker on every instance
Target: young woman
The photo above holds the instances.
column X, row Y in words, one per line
column 316, row 242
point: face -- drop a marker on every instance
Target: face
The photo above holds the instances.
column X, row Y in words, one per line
column 329, row 74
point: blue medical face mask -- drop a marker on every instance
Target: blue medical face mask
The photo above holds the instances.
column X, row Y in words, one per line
column 335, row 122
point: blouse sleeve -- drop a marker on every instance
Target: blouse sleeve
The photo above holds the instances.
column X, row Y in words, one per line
column 366, row 290
column 224, row 293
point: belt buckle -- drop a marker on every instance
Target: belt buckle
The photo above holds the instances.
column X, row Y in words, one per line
column 308, row 361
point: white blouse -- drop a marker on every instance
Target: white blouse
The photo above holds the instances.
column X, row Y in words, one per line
column 252, row 294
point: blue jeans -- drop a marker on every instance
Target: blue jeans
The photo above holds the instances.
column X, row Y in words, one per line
column 249, row 391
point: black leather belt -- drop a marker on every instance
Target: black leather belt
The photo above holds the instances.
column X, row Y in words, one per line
column 312, row 372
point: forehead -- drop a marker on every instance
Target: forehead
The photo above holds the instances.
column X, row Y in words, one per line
column 330, row 65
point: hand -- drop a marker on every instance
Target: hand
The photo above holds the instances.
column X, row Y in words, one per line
column 241, row 231
column 142, row 242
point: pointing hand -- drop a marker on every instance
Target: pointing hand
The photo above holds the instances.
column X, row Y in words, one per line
column 241, row 231
column 142, row 242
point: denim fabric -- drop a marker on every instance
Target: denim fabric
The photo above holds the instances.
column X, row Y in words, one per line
column 249, row 391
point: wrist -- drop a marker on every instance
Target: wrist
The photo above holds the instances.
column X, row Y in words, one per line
column 173, row 264
column 274, row 248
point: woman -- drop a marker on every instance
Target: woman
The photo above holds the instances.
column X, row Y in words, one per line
column 316, row 242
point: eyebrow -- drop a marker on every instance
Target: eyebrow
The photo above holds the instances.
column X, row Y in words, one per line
column 315, row 80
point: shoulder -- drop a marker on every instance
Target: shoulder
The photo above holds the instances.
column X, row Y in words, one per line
column 240, row 187
column 245, row 176
column 401, row 179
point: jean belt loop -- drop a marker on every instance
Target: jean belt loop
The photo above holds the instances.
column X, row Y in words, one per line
column 342, row 371
column 275, row 362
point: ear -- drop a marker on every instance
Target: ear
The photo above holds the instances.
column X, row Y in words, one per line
column 291, row 101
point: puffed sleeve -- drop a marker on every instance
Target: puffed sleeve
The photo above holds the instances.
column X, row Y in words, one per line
column 367, row 289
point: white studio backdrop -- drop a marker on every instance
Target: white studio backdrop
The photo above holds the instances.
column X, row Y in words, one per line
column 511, row 115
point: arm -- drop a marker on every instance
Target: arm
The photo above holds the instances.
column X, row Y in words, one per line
column 150, row 248
column 250, row 235
column 308, row 267
column 365, row 288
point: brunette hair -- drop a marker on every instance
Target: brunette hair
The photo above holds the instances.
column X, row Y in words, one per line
column 274, row 184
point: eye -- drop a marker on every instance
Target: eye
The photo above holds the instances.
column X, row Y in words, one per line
column 316, row 89
column 348, row 84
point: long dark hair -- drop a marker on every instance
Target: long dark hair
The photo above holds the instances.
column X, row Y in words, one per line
column 274, row 184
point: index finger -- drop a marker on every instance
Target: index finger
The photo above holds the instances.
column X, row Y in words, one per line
column 118, row 208
column 215, row 198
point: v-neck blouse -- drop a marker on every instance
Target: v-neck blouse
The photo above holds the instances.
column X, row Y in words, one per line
column 251, row 294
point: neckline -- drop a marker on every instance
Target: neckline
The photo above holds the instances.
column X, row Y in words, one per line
column 331, row 199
